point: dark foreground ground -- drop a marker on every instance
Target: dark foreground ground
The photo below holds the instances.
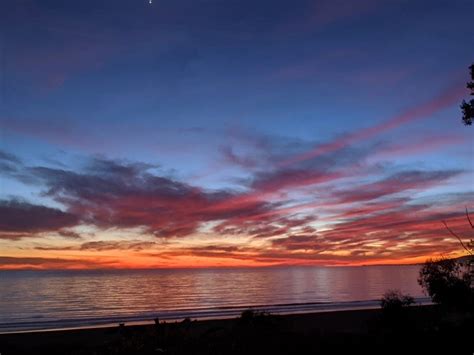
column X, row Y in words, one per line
column 421, row 330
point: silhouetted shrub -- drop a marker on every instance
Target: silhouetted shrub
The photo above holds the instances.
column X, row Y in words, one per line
column 250, row 316
column 446, row 282
column 394, row 299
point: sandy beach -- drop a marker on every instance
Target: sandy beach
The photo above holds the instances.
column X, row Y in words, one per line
column 425, row 329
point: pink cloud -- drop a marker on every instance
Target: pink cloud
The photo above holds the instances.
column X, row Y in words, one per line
column 444, row 100
column 420, row 145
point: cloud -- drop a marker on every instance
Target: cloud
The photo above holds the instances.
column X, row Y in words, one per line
column 8, row 162
column 251, row 150
column 285, row 179
column 118, row 194
column 444, row 100
column 7, row 262
column 332, row 166
column 266, row 225
column 398, row 230
column 20, row 219
column 417, row 145
column 5, row 156
column 233, row 158
column 384, row 223
column 371, row 207
column 69, row 234
column 399, row 182
column 300, row 242
column 100, row 245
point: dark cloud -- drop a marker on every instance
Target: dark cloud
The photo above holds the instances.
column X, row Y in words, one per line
column 19, row 219
column 69, row 234
column 7, row 157
column 100, row 245
column 300, row 242
column 118, row 194
column 9, row 163
column 399, row 182
column 53, row 263
column 331, row 167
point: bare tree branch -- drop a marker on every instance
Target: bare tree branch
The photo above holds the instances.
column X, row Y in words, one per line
column 467, row 215
column 458, row 238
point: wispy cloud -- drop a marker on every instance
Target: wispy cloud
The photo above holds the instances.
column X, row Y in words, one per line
column 445, row 99
column 397, row 183
column 7, row 262
column 366, row 222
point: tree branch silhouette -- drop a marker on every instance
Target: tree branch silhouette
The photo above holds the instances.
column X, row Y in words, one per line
column 458, row 238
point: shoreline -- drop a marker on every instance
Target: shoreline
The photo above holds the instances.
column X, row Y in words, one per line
column 216, row 313
column 326, row 331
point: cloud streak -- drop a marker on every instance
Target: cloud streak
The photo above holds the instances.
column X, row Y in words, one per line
column 370, row 222
column 442, row 101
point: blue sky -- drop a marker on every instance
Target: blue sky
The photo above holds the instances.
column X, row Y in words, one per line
column 234, row 98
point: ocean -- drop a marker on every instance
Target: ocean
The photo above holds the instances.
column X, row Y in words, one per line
column 33, row 300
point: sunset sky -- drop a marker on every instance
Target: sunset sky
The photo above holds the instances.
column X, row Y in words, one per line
column 233, row 133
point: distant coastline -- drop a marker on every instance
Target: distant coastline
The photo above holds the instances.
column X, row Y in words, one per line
column 214, row 267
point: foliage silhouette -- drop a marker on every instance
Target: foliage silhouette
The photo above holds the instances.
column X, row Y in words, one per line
column 394, row 301
column 468, row 107
column 446, row 282
column 395, row 308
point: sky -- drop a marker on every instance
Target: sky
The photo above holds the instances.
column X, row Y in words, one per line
column 211, row 133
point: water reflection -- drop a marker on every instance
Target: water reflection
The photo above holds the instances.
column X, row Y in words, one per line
column 56, row 295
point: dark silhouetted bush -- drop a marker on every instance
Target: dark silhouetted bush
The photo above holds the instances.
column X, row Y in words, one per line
column 250, row 315
column 447, row 283
column 394, row 300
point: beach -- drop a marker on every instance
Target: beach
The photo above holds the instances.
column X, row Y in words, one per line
column 423, row 329
column 68, row 299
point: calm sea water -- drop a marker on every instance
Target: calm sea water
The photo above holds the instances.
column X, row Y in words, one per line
column 58, row 299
